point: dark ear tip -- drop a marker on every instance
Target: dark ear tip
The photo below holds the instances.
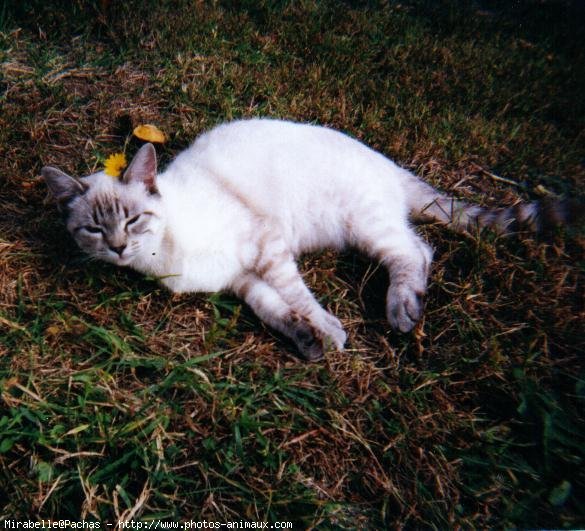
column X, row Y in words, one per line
column 47, row 170
column 149, row 147
column 52, row 172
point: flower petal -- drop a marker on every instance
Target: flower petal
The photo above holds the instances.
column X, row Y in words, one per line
column 149, row 133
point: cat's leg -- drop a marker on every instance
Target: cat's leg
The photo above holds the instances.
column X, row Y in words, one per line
column 276, row 265
column 269, row 306
column 408, row 259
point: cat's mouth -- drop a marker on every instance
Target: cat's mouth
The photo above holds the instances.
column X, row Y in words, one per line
column 123, row 260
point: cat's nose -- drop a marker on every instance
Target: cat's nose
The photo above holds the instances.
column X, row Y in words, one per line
column 118, row 249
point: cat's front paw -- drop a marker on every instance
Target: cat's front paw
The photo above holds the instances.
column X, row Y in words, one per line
column 332, row 330
column 333, row 322
column 309, row 345
column 314, row 340
column 404, row 307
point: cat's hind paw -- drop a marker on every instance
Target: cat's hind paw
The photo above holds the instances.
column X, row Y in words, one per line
column 404, row 308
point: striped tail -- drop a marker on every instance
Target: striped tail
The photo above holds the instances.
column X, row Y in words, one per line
column 429, row 205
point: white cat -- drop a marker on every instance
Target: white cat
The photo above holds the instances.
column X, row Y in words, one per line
column 233, row 211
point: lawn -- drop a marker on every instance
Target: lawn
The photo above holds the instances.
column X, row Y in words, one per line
column 122, row 401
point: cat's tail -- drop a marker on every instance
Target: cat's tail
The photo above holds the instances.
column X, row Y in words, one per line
column 426, row 204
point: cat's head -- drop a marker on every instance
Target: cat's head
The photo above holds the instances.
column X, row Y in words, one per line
column 116, row 220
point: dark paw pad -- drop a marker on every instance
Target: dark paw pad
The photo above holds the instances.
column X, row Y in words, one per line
column 307, row 339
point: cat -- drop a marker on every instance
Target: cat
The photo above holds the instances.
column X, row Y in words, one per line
column 234, row 210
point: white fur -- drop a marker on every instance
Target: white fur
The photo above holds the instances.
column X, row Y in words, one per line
column 300, row 177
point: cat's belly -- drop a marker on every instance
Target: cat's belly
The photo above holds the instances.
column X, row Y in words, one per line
column 202, row 272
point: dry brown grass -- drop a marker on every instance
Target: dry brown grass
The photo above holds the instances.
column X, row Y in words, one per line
column 121, row 400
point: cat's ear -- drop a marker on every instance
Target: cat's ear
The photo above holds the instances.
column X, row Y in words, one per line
column 143, row 168
column 63, row 187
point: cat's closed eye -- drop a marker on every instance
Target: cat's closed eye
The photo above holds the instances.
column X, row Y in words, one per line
column 139, row 224
column 132, row 220
column 92, row 229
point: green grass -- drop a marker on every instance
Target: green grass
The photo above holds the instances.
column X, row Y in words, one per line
column 120, row 400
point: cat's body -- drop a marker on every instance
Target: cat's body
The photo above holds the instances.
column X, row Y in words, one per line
column 233, row 211
column 250, row 181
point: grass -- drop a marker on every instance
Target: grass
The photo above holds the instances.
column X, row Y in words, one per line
column 120, row 400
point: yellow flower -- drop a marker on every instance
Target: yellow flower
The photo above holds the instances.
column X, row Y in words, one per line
column 149, row 133
column 115, row 164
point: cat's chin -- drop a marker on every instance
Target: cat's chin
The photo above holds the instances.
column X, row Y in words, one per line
column 122, row 261
column 125, row 261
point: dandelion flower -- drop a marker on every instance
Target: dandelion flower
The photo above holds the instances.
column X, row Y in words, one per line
column 115, row 164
